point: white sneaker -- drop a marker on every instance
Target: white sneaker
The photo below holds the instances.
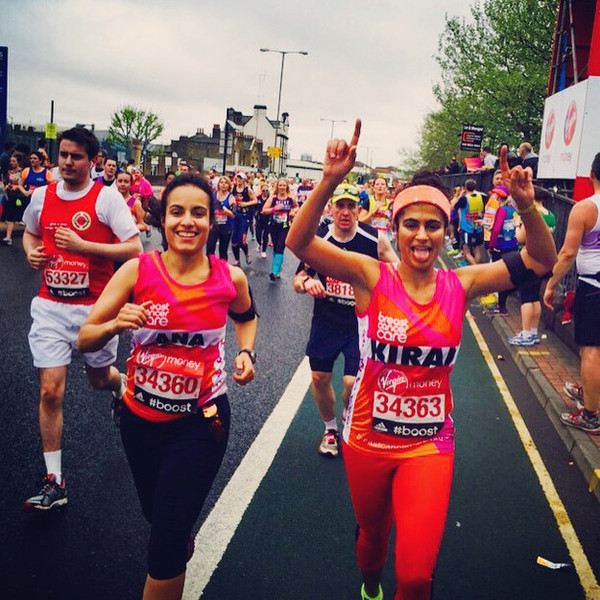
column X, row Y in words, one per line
column 263, row 255
column 329, row 444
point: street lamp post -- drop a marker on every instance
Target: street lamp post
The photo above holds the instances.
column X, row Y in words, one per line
column 333, row 122
column 283, row 53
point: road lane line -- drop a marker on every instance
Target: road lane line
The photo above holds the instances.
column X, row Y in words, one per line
column 580, row 561
column 221, row 523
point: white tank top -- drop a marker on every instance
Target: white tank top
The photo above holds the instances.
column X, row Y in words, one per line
column 588, row 255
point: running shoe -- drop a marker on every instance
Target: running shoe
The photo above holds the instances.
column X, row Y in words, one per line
column 536, row 338
column 116, row 406
column 580, row 420
column 575, row 392
column 248, row 259
column 502, row 312
column 522, row 340
column 6, row 242
column 329, row 444
column 452, row 252
column 489, row 299
column 51, row 495
column 263, row 255
column 365, row 596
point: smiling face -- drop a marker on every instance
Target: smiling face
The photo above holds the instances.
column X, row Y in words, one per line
column 34, row 161
column 421, row 229
column 187, row 219
column 282, row 187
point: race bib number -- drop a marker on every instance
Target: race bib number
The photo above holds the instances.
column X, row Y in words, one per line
column 339, row 289
column 68, row 277
column 170, row 393
column 220, row 217
column 408, row 416
column 280, row 218
column 381, row 224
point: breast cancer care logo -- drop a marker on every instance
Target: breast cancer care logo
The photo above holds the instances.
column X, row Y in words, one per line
column 550, row 126
column 570, row 122
column 81, row 220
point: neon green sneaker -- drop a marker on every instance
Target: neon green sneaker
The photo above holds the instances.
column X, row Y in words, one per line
column 365, row 596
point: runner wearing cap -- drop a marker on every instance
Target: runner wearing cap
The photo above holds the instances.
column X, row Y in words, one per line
column 334, row 329
column 398, row 436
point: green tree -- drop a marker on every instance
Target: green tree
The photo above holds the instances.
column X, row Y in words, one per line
column 128, row 123
column 494, row 73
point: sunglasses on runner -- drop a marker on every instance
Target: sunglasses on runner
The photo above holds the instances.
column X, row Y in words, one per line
column 345, row 191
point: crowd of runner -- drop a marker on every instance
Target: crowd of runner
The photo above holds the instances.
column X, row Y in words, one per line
column 367, row 257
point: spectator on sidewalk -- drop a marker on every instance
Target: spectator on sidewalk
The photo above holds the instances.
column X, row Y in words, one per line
column 531, row 307
column 489, row 159
column 582, row 244
column 529, row 158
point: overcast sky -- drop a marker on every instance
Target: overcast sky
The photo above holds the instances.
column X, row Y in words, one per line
column 189, row 60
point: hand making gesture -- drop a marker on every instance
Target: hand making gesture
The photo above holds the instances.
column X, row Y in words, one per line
column 340, row 156
column 519, row 182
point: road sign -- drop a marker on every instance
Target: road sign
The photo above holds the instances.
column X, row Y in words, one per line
column 472, row 136
column 50, row 131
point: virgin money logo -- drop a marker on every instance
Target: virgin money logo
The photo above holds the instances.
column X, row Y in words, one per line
column 393, row 381
column 56, row 262
column 550, row 127
column 148, row 358
column 81, row 220
column 570, row 123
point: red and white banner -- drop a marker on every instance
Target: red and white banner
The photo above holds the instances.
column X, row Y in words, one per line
column 571, row 131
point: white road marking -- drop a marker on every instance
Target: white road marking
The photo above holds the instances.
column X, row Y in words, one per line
column 580, row 561
column 220, row 525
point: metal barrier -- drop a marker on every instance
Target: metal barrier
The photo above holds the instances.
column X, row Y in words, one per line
column 561, row 206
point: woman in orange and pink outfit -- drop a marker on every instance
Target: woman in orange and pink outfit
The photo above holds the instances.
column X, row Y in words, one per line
column 399, row 437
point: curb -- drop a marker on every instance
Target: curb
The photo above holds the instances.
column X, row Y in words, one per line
column 584, row 452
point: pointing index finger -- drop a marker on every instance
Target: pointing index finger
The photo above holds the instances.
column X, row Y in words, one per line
column 356, row 134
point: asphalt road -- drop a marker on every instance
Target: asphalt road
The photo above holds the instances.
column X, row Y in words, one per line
column 296, row 539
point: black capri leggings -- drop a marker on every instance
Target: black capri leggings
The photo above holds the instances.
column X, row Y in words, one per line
column 262, row 231
column 221, row 234
column 278, row 235
column 173, row 466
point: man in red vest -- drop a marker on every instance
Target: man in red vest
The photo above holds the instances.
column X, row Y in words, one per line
column 75, row 230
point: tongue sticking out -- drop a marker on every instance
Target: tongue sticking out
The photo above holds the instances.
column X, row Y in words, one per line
column 421, row 254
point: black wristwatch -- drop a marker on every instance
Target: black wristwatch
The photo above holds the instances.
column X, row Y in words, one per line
column 250, row 353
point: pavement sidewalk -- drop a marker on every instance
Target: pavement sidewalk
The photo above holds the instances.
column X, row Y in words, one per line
column 546, row 367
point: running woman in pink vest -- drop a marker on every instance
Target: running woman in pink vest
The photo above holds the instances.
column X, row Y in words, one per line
column 74, row 231
column 175, row 419
column 398, row 440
